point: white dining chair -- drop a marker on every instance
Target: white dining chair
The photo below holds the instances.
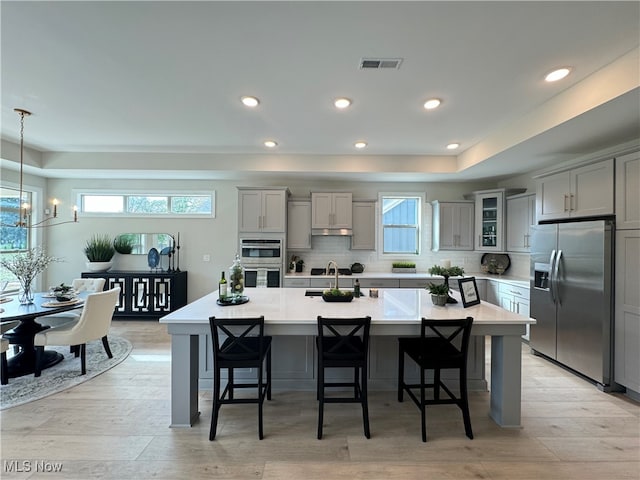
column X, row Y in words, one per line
column 79, row 285
column 94, row 323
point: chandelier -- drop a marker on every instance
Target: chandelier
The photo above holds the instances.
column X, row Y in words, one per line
column 24, row 218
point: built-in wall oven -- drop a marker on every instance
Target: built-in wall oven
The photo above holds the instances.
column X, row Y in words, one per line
column 263, row 261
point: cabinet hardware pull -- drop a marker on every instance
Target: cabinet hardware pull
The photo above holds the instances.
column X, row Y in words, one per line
column 571, row 206
column 565, row 203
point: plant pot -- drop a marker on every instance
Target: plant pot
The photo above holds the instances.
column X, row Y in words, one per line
column 98, row 266
column 439, row 300
column 338, row 298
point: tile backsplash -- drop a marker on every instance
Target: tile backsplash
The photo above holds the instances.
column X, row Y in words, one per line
column 338, row 248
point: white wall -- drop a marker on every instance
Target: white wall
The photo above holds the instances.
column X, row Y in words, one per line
column 217, row 237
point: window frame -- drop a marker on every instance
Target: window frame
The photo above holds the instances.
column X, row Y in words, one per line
column 34, row 235
column 421, row 199
column 80, row 194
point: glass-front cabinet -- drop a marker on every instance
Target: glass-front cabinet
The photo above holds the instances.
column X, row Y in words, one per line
column 489, row 225
column 490, row 218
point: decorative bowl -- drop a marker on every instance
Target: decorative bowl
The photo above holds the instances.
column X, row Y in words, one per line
column 344, row 297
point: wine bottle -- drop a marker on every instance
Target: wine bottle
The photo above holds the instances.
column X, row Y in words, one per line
column 356, row 289
column 222, row 287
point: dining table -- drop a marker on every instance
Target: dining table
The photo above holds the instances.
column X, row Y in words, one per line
column 44, row 303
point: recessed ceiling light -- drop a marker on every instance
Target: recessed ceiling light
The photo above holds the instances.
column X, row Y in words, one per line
column 432, row 103
column 360, row 144
column 557, row 74
column 453, row 146
column 250, row 101
column 270, row 143
column 342, row 102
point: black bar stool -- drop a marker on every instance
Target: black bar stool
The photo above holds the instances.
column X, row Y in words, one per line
column 343, row 343
column 436, row 350
column 245, row 346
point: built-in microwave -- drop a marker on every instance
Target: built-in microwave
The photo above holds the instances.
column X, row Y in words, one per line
column 254, row 250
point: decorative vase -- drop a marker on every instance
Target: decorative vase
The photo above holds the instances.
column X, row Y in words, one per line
column 236, row 278
column 26, row 292
column 439, row 300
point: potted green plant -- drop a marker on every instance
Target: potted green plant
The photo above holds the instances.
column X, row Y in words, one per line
column 439, row 293
column 99, row 250
column 403, row 267
column 337, row 295
column 446, row 272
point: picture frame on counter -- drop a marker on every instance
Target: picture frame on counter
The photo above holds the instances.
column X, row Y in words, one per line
column 469, row 291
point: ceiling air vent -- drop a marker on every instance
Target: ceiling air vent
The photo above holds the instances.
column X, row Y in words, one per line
column 378, row 63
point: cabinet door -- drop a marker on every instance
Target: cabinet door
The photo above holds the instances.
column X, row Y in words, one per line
column 552, row 196
column 331, row 210
column 342, row 210
column 321, row 210
column 453, row 226
column 299, row 225
column 627, row 309
column 493, row 292
column 273, row 211
column 364, row 226
column 520, row 217
column 628, row 191
column 249, row 210
column 490, row 222
column 592, row 190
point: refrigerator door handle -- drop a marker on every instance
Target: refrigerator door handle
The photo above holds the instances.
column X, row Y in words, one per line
column 551, row 278
column 556, row 267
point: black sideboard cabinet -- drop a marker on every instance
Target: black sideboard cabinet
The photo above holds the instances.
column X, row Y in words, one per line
column 145, row 295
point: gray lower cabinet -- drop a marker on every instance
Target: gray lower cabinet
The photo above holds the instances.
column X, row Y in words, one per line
column 294, row 361
column 627, row 311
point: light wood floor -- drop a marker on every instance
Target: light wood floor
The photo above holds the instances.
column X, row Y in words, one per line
column 116, row 427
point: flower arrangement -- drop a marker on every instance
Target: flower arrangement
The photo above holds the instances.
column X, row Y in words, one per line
column 26, row 266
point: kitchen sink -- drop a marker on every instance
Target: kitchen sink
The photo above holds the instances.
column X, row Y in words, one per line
column 313, row 293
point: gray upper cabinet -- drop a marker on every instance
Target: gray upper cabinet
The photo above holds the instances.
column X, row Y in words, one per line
column 452, row 225
column 521, row 214
column 364, row 226
column 628, row 191
column 262, row 210
column 581, row 192
column 299, row 224
column 331, row 210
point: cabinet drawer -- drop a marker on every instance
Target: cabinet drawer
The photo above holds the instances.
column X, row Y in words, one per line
column 379, row 283
column 413, row 283
column 296, row 282
column 326, row 282
column 509, row 289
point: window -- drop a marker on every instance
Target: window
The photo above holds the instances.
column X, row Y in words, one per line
column 13, row 239
column 400, row 223
column 144, row 204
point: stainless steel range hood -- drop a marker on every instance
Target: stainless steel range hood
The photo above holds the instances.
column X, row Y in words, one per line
column 342, row 232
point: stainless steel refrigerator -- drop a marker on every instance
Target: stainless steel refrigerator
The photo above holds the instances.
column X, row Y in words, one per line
column 571, row 296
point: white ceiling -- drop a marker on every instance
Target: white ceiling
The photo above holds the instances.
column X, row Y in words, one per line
column 166, row 77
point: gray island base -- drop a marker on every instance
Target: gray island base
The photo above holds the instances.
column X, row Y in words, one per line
column 292, row 315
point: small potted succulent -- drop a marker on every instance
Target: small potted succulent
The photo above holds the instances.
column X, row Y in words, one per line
column 99, row 250
column 439, row 293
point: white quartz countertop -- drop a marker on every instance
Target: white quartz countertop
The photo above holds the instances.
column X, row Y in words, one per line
column 394, row 306
column 519, row 281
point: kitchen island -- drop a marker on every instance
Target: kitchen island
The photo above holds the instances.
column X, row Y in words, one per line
column 396, row 312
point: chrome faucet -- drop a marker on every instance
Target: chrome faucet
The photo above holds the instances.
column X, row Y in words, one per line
column 335, row 266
